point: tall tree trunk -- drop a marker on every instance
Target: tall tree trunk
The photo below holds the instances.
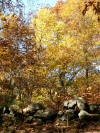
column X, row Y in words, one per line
column 62, row 82
column 87, row 75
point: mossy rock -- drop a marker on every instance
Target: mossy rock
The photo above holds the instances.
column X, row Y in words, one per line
column 29, row 119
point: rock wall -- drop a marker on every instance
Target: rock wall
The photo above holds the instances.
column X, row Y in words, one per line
column 76, row 108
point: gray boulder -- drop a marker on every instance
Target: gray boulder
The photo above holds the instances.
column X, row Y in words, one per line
column 78, row 103
column 37, row 121
column 39, row 114
column 29, row 119
column 28, row 111
column 80, row 99
column 14, row 109
column 36, row 106
column 81, row 103
column 6, row 110
column 32, row 108
column 66, row 104
column 17, row 112
column 46, row 114
column 70, row 114
column 60, row 113
column 63, row 118
column 94, row 108
column 72, row 104
column 83, row 115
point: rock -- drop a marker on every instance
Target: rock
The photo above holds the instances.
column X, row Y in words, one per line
column 18, row 113
column 14, row 108
column 70, row 113
column 83, row 115
column 63, row 118
column 38, row 121
column 36, row 106
column 29, row 119
column 66, row 104
column 80, row 99
column 6, row 110
column 94, row 108
column 46, row 114
column 32, row 108
column 71, row 104
column 81, row 103
column 60, row 113
column 28, row 111
column 39, row 114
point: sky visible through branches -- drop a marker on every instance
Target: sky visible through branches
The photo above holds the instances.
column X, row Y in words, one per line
column 37, row 4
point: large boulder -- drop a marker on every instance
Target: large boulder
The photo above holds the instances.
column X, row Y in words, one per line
column 70, row 104
column 14, row 108
column 94, row 108
column 63, row 118
column 17, row 112
column 67, row 115
column 77, row 101
column 36, row 106
column 37, row 121
column 70, row 114
column 60, row 113
column 80, row 99
column 46, row 114
column 32, row 108
column 81, row 104
column 66, row 104
column 28, row 111
column 83, row 115
column 31, row 119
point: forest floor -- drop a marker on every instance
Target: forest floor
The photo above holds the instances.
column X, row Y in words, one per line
column 74, row 127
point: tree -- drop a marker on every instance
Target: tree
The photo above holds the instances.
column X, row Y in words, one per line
column 83, row 36
column 70, row 40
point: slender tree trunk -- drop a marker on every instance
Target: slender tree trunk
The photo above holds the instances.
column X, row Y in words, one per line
column 62, row 83
column 87, row 75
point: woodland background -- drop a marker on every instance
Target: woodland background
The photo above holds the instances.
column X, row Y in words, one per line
column 50, row 56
